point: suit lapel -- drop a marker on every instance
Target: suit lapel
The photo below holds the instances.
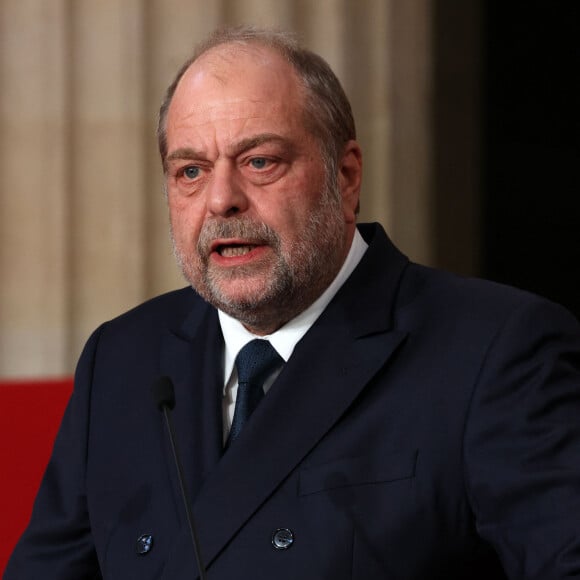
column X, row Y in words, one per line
column 192, row 358
column 351, row 341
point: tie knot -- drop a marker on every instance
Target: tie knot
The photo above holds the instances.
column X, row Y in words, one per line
column 256, row 361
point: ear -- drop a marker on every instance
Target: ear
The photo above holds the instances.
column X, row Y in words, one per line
column 349, row 179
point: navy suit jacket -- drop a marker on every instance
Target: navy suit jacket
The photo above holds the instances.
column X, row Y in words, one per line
column 427, row 426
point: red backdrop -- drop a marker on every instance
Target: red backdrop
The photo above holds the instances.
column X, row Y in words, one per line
column 30, row 413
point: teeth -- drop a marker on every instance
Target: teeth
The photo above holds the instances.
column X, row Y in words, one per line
column 231, row 251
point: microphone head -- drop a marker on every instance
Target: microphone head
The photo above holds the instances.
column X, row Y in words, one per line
column 163, row 393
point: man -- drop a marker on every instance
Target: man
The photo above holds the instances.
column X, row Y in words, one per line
column 415, row 425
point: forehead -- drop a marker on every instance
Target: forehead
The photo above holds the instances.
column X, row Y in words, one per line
column 237, row 80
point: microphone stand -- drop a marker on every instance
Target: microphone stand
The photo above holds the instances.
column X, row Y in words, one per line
column 163, row 393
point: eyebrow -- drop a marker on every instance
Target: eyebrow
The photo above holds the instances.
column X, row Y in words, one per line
column 184, row 153
column 257, row 140
column 238, row 148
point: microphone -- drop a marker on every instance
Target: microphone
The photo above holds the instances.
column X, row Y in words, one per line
column 164, row 397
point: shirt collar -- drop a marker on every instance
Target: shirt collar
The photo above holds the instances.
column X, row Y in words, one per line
column 236, row 336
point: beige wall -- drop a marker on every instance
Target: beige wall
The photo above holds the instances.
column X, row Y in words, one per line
column 83, row 228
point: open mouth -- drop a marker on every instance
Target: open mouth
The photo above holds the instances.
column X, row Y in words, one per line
column 234, row 250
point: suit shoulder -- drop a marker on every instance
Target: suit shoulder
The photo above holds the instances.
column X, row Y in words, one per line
column 454, row 296
column 174, row 301
column 164, row 311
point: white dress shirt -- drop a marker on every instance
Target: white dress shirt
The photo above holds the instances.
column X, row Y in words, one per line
column 236, row 336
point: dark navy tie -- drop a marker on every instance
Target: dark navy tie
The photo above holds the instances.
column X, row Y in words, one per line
column 254, row 363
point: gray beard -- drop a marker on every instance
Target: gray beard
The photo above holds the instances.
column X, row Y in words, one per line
column 300, row 274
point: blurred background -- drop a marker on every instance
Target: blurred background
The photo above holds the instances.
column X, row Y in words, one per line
column 467, row 112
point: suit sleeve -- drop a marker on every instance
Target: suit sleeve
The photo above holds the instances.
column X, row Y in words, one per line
column 522, row 444
column 57, row 543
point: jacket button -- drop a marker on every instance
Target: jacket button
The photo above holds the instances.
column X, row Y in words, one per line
column 282, row 538
column 144, row 544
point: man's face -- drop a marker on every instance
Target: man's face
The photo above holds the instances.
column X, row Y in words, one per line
column 258, row 229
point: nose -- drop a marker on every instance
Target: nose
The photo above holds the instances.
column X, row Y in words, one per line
column 225, row 193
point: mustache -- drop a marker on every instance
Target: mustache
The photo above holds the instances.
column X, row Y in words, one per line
column 235, row 227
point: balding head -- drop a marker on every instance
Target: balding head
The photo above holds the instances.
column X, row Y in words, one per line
column 327, row 113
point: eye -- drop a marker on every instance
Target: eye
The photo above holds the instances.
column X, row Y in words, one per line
column 258, row 162
column 191, row 172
